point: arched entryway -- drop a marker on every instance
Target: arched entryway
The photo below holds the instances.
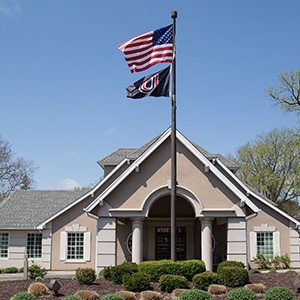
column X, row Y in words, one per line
column 159, row 225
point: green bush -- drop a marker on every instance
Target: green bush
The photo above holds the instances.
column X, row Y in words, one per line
column 85, row 275
column 107, row 273
column 233, row 277
column 203, row 280
column 262, row 261
column 291, row 272
column 195, row 295
column 11, row 270
column 168, row 283
column 117, row 272
column 35, row 271
column 23, row 296
column 155, row 269
column 112, row 297
column 21, row 270
column 230, row 263
column 101, row 274
column 136, row 282
column 285, row 260
column 241, row 294
column 272, row 271
column 73, row 297
column 190, row 268
column 279, row 293
column 254, row 271
column 276, row 261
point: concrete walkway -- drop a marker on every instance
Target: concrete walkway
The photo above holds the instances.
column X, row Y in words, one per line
column 50, row 274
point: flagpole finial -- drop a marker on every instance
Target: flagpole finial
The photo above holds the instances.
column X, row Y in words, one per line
column 174, row 14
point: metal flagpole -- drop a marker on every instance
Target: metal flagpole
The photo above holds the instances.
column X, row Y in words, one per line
column 173, row 148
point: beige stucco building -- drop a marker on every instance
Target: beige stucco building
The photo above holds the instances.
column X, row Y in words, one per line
column 126, row 217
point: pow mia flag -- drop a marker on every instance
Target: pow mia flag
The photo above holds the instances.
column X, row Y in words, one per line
column 155, row 85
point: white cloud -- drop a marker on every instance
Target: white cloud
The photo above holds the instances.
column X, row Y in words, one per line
column 10, row 7
column 65, row 184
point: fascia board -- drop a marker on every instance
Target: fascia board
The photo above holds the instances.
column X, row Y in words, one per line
column 90, row 193
column 257, row 196
column 130, row 169
column 213, row 169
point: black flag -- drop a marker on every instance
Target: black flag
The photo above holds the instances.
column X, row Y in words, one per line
column 155, row 85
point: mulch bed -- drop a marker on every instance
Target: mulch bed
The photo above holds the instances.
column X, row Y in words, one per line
column 102, row 287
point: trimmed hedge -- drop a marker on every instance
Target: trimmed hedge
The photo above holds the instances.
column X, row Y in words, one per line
column 116, row 273
column 168, row 283
column 85, row 275
column 23, row 296
column 204, row 280
column 112, row 297
column 233, row 277
column 136, row 282
column 231, row 264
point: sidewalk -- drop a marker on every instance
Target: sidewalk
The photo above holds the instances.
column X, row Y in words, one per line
column 50, row 274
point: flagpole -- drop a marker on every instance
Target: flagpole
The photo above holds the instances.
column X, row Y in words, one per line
column 173, row 148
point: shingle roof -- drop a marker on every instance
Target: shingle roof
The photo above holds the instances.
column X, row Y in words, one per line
column 133, row 153
column 27, row 209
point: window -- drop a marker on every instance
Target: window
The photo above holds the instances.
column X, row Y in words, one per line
column 75, row 245
column 264, row 242
column 34, row 245
column 4, row 245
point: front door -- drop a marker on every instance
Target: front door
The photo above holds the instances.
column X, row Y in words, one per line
column 163, row 243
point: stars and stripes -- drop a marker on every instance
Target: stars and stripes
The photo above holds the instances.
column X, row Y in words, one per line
column 148, row 49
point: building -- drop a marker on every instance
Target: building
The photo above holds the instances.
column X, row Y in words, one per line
column 126, row 217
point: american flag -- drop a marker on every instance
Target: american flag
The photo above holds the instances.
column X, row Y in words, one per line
column 148, row 49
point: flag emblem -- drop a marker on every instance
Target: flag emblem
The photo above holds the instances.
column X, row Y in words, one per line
column 155, row 85
column 148, row 49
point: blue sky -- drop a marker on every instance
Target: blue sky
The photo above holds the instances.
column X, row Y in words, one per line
column 62, row 78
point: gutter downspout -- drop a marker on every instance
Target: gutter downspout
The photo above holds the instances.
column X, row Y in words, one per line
column 247, row 242
column 96, row 253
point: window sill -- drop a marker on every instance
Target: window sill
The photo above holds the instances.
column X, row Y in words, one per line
column 75, row 261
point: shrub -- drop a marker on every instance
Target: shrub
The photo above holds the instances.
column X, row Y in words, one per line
column 21, row 270
column 276, row 261
column 23, row 296
column 101, row 274
column 73, row 297
column 168, row 283
column 291, row 272
column 257, row 288
column 285, row 260
column 11, row 270
column 217, row 289
column 117, row 272
column 38, row 289
column 230, row 263
column 87, row 295
column 107, row 273
column 36, row 271
column 111, row 297
column 279, row 293
column 254, row 271
column 85, row 275
column 126, row 295
column 155, row 269
column 262, row 261
column 272, row 271
column 150, row 295
column 233, row 277
column 195, row 295
column 204, row 280
column 177, row 292
column 241, row 294
column 136, row 282
column 190, row 268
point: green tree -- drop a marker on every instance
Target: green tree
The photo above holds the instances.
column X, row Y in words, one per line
column 271, row 165
column 287, row 93
column 14, row 173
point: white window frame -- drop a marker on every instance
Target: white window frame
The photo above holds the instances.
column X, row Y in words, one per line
column 75, row 228
column 264, row 228
column 8, row 243
column 35, row 233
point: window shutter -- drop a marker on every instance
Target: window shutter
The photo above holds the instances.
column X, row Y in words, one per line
column 253, row 247
column 276, row 238
column 63, row 245
column 87, row 246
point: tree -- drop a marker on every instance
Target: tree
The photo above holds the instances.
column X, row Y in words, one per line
column 14, row 173
column 287, row 93
column 271, row 165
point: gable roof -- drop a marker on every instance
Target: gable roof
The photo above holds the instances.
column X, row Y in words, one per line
column 26, row 209
column 195, row 150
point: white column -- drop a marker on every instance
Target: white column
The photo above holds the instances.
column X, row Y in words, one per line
column 206, row 243
column 137, row 240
